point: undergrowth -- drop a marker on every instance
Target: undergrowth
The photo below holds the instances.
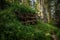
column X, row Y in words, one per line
column 12, row 29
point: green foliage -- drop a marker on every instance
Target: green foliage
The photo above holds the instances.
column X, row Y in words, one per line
column 57, row 32
column 12, row 29
column 24, row 9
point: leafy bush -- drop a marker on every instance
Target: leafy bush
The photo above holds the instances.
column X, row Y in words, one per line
column 24, row 9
